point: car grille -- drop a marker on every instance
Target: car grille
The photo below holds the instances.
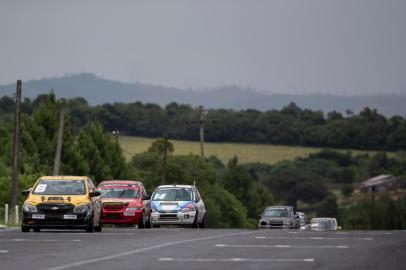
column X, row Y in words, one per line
column 113, row 208
column 276, row 223
column 112, row 216
column 55, row 209
column 169, row 217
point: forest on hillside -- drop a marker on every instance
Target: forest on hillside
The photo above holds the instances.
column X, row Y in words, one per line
column 234, row 193
column 291, row 125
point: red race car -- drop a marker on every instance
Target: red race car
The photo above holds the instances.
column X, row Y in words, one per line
column 125, row 202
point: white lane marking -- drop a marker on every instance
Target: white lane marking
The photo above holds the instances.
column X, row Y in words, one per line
column 3, row 251
column 370, row 233
column 233, row 260
column 316, row 238
column 276, row 246
column 135, row 251
column 103, row 233
column 38, row 240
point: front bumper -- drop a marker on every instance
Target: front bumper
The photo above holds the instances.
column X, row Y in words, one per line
column 275, row 225
column 176, row 218
column 121, row 217
column 55, row 221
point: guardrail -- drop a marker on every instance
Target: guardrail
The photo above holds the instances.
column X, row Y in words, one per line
column 7, row 218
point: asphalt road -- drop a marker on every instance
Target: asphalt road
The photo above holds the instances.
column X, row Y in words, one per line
column 172, row 248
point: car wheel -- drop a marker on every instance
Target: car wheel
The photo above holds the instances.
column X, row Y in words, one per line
column 99, row 227
column 194, row 224
column 148, row 224
column 90, row 226
column 141, row 224
column 24, row 229
column 202, row 224
column 37, row 229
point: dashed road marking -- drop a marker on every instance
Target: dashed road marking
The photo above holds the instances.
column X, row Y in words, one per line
column 276, row 246
column 3, row 251
column 38, row 240
column 233, row 260
column 368, row 233
column 316, row 238
column 140, row 250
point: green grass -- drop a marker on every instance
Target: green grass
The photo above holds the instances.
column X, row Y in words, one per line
column 246, row 153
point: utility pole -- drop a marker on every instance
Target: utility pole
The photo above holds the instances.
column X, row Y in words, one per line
column 116, row 133
column 16, row 152
column 164, row 160
column 58, row 152
column 201, row 132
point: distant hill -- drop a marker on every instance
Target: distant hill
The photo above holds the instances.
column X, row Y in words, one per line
column 97, row 91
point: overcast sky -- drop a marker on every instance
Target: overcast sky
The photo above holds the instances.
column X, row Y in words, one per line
column 341, row 46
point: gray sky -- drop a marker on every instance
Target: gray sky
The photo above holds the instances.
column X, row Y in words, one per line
column 341, row 46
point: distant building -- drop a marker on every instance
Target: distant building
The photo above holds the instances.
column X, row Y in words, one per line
column 379, row 183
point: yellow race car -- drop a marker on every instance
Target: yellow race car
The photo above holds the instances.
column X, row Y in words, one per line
column 62, row 202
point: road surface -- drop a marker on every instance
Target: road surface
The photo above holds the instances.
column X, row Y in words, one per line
column 173, row 248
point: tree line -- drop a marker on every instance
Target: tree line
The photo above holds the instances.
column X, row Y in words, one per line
column 291, row 125
column 234, row 193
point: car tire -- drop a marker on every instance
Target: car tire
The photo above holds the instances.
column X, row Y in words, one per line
column 99, row 227
column 90, row 226
column 202, row 224
column 148, row 224
column 36, row 229
column 141, row 223
column 195, row 224
column 24, row 228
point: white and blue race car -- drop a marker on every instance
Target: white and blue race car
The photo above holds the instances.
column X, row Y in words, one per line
column 177, row 205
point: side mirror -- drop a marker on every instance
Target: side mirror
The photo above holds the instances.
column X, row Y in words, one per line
column 296, row 216
column 26, row 192
column 95, row 193
column 146, row 197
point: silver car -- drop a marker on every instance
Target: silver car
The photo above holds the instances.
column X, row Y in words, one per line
column 282, row 217
column 324, row 224
column 177, row 205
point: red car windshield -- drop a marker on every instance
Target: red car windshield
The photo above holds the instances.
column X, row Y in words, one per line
column 119, row 192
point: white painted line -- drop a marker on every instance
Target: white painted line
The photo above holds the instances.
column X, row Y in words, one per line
column 369, row 233
column 103, row 233
column 38, row 240
column 276, row 246
column 3, row 251
column 316, row 238
column 135, row 251
column 232, row 260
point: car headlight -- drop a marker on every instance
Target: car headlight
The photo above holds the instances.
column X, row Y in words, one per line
column 153, row 210
column 132, row 209
column 288, row 223
column 189, row 208
column 81, row 209
column 29, row 208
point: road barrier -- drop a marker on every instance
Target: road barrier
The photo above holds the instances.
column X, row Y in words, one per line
column 15, row 220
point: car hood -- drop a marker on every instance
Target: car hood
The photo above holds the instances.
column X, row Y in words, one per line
column 73, row 199
column 276, row 219
column 118, row 201
column 170, row 206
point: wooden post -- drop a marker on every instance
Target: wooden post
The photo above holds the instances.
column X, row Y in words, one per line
column 201, row 132
column 164, row 161
column 16, row 152
column 58, row 151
